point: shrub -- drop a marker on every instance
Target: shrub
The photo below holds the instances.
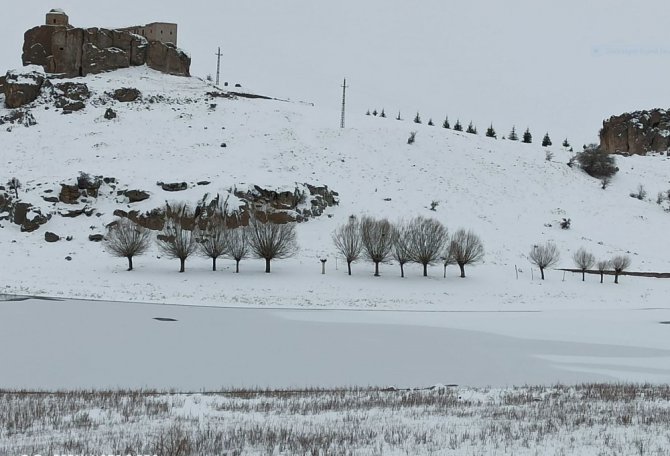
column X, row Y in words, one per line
column 565, row 223
column 14, row 184
column 597, row 163
column 412, row 137
column 417, row 118
column 640, row 193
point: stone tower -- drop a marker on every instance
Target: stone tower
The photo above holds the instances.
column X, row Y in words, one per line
column 57, row 17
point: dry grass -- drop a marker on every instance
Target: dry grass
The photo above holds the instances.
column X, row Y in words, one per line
column 598, row 419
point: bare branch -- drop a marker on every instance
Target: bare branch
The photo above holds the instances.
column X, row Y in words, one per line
column 377, row 240
column 271, row 240
column 544, row 256
column 176, row 241
column 347, row 240
column 466, row 248
column 620, row 263
column 427, row 240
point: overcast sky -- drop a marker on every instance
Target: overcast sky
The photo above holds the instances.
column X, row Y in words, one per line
column 552, row 66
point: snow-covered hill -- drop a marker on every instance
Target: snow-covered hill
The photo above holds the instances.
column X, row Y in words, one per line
column 506, row 191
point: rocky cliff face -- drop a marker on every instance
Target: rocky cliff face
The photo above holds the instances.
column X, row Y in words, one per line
column 77, row 52
column 638, row 132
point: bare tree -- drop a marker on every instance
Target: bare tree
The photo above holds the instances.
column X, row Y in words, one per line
column 377, row 239
column 214, row 240
column 400, row 250
column 584, row 260
column 427, row 240
column 447, row 259
column 620, row 263
column 176, row 240
column 466, row 248
column 238, row 245
column 602, row 266
column 347, row 240
column 544, row 256
column 126, row 239
column 272, row 241
column 14, row 184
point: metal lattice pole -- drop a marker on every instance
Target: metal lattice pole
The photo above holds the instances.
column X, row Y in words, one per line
column 218, row 66
column 344, row 100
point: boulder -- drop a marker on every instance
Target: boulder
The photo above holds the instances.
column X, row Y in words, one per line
column 74, row 91
column 96, row 237
column 126, row 94
column 638, row 132
column 166, row 57
column 50, row 199
column 73, row 106
column 135, row 196
column 69, row 194
column 51, row 237
column 28, row 217
column 110, row 114
column 174, row 186
column 22, row 87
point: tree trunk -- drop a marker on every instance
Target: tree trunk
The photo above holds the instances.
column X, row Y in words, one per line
column 616, row 277
column 214, row 264
column 237, row 266
column 601, row 277
column 462, row 266
column 402, row 270
column 130, row 262
column 445, row 271
column 267, row 265
column 349, row 267
column 425, row 269
column 376, row 268
column 182, row 263
column 16, row 192
column 583, row 275
column 542, row 273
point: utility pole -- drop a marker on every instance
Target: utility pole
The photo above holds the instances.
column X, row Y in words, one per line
column 344, row 100
column 218, row 66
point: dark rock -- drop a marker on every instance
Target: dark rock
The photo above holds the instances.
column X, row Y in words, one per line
column 109, row 180
column 76, row 212
column 135, row 196
column 28, row 217
column 72, row 107
column 126, row 94
column 638, row 132
column 22, row 87
column 224, row 145
column 50, row 199
column 166, row 57
column 51, row 237
column 174, row 187
column 68, row 258
column 204, row 183
column 69, row 194
column 110, row 114
column 19, row 117
column 96, row 237
column 75, row 91
column 120, row 213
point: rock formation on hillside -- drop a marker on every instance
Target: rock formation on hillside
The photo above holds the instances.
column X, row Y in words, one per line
column 69, row 51
column 638, row 132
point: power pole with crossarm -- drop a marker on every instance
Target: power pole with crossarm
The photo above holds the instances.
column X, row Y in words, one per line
column 218, row 66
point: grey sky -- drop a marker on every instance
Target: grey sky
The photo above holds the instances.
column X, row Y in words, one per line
column 556, row 66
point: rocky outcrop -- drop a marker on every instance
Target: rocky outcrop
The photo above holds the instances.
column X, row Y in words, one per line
column 22, row 87
column 638, row 132
column 166, row 57
column 18, row 117
column 135, row 196
column 75, row 52
column 28, row 217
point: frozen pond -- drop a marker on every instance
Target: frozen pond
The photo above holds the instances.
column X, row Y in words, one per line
column 83, row 344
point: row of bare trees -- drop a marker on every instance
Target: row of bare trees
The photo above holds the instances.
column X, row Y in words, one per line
column 186, row 233
column 424, row 241
column 547, row 255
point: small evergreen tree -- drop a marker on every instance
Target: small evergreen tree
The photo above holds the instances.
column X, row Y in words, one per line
column 417, row 118
column 382, row 114
column 546, row 141
column 430, row 122
column 398, row 117
column 527, row 137
column 471, row 129
column 490, row 132
column 445, row 124
column 458, row 126
column 566, row 143
column 512, row 135
column 367, row 113
column 374, row 113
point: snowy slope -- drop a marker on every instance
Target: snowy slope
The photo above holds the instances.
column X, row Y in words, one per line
column 506, row 191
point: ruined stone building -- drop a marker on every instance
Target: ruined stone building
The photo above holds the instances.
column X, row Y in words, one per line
column 60, row 48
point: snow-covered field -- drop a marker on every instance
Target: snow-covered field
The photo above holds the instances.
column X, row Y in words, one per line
column 582, row 420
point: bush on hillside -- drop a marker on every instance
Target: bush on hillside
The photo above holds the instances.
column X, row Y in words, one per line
column 597, row 163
